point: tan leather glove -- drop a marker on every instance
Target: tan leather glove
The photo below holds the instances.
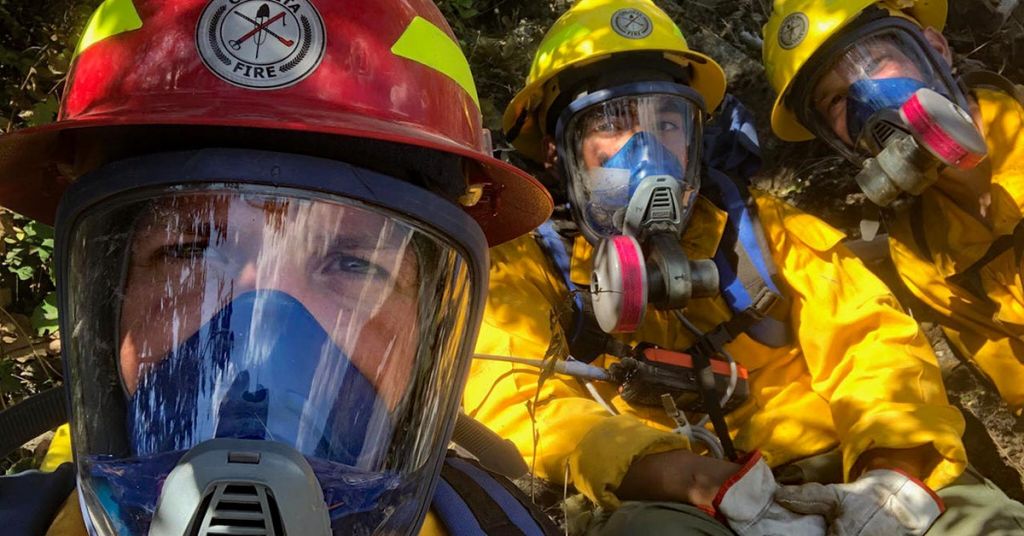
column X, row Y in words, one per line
column 747, row 503
column 882, row 502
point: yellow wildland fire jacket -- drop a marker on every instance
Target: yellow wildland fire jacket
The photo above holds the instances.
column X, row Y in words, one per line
column 942, row 253
column 860, row 374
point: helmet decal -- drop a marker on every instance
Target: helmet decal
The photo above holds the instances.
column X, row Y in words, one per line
column 261, row 44
column 793, row 30
column 112, row 17
column 632, row 23
column 426, row 44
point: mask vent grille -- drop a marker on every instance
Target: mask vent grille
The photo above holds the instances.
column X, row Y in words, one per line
column 880, row 133
column 662, row 206
column 239, row 509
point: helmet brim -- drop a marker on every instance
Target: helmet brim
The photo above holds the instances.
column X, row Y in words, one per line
column 34, row 180
column 785, row 124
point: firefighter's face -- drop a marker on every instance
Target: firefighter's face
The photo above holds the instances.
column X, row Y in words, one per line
column 191, row 255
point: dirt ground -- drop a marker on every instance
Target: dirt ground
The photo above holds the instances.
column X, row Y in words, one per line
column 995, row 437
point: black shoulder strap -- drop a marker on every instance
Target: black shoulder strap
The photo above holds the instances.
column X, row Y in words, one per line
column 497, row 454
column 917, row 228
column 994, row 80
column 970, row 279
column 470, row 500
column 30, row 418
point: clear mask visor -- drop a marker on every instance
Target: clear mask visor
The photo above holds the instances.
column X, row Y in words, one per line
column 610, row 148
column 253, row 312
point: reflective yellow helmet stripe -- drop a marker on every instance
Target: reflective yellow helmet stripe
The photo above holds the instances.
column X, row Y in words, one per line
column 59, row 451
column 111, row 18
column 425, row 43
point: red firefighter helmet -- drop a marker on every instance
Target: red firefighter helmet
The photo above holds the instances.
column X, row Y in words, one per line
column 153, row 74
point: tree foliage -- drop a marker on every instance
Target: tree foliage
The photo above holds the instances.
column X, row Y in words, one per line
column 37, row 41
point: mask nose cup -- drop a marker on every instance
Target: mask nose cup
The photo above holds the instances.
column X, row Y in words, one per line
column 867, row 97
column 265, row 350
column 644, row 156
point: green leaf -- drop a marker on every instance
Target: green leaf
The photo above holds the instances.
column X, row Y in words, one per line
column 44, row 318
column 13, row 258
column 43, row 231
column 41, row 252
column 42, row 113
column 24, row 273
column 21, row 465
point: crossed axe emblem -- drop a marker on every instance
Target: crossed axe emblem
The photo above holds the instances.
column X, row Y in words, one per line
column 261, row 28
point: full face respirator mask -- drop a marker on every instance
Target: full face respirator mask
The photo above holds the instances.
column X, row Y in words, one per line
column 888, row 103
column 262, row 343
column 631, row 155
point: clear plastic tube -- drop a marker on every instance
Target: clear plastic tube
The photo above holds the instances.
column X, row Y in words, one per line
column 592, row 389
column 568, row 367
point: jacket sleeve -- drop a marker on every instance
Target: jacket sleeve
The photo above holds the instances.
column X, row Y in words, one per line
column 866, row 357
column 558, row 428
column 966, row 321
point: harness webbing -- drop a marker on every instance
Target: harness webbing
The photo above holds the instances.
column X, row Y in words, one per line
column 706, row 379
column 558, row 252
column 454, row 512
column 471, row 501
column 970, row 279
column 587, row 341
column 746, row 271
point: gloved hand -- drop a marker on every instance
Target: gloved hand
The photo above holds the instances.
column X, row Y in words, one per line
column 747, row 503
column 881, row 502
